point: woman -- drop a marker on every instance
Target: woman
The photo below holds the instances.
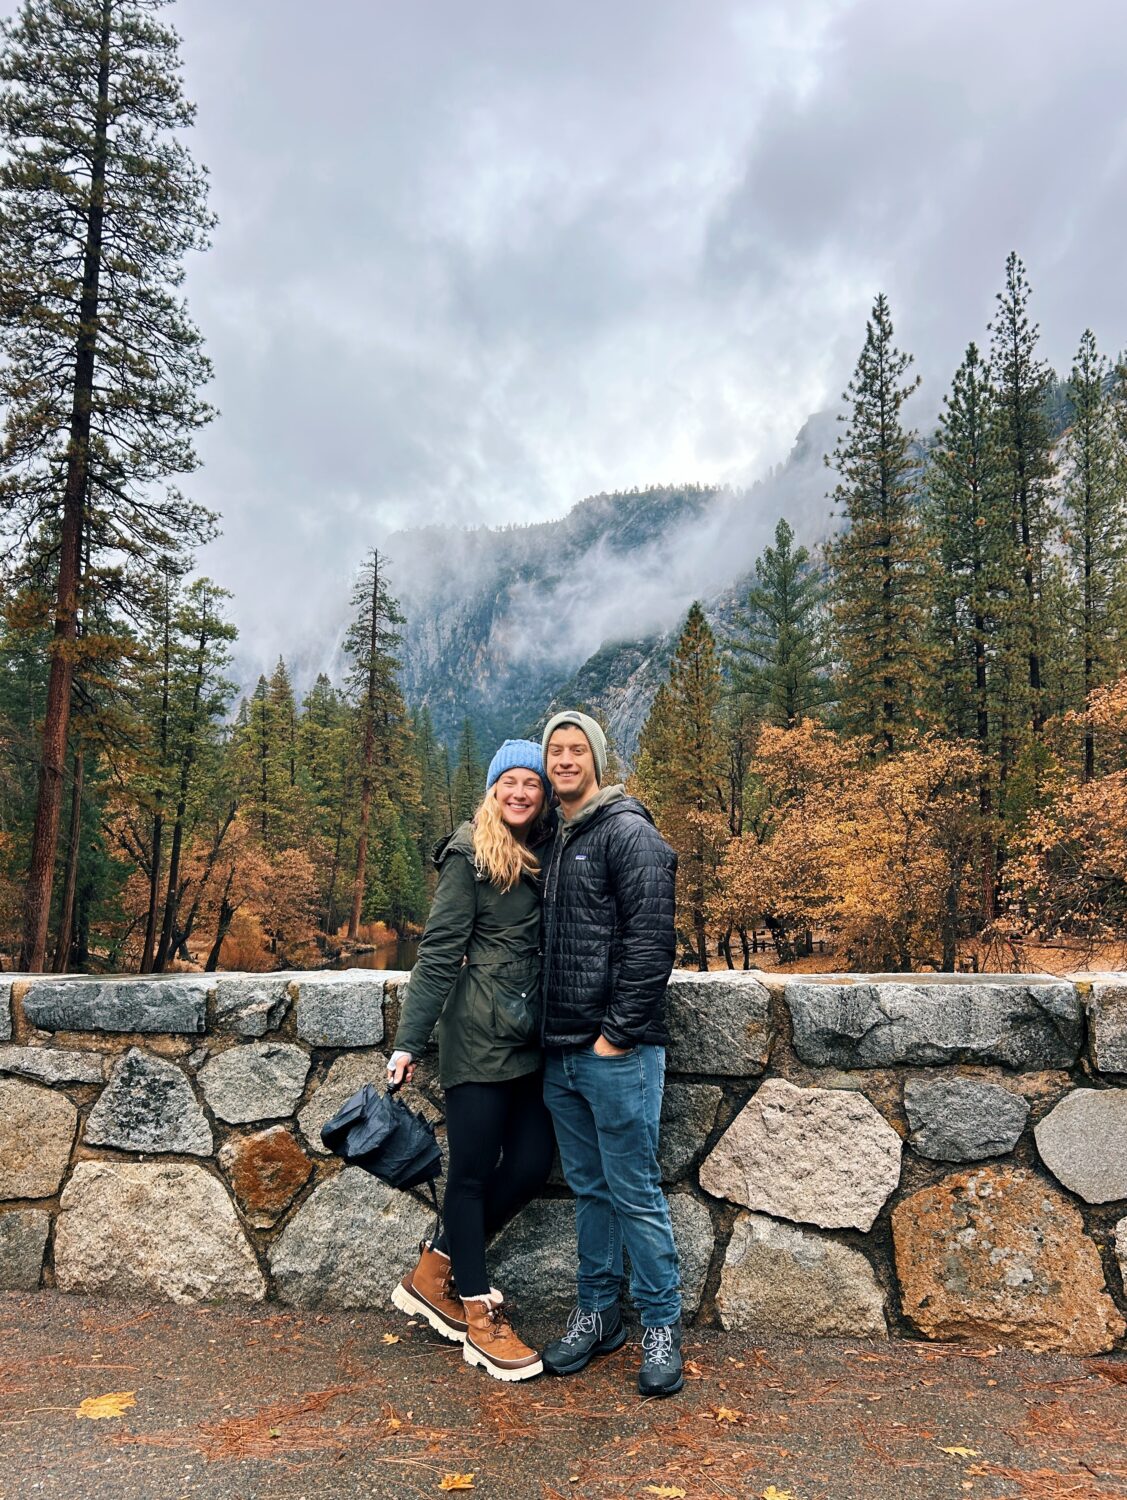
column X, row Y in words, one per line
column 478, row 975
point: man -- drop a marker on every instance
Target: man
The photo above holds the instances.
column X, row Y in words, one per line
column 608, row 946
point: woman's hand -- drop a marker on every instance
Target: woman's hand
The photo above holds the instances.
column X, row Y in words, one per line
column 607, row 1049
column 400, row 1069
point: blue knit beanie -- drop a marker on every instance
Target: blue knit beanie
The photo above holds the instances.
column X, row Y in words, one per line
column 524, row 755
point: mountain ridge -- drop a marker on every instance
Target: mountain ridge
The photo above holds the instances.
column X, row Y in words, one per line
column 504, row 625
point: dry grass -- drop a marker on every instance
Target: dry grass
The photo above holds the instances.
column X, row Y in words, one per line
column 245, row 948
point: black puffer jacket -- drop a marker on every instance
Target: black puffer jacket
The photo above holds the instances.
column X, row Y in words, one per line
column 607, row 931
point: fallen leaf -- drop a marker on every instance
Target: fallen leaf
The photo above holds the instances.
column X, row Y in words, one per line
column 693, row 1370
column 960, row 1452
column 456, row 1482
column 391, row 1338
column 727, row 1414
column 771, row 1493
column 113, row 1404
column 394, row 1423
column 668, row 1491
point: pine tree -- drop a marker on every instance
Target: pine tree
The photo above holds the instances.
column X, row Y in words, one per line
column 1095, row 510
column 434, row 820
column 967, row 517
column 468, row 780
column 326, row 757
column 1022, row 382
column 879, row 562
column 370, row 643
column 156, row 784
column 199, row 699
column 99, row 362
column 780, row 658
column 681, row 770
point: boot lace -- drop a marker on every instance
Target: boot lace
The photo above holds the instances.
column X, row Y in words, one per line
column 500, row 1327
column 580, row 1324
column 657, row 1345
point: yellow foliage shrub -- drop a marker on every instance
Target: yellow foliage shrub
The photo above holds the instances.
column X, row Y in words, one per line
column 245, row 947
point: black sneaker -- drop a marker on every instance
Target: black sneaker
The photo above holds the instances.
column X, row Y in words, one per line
column 660, row 1374
column 588, row 1334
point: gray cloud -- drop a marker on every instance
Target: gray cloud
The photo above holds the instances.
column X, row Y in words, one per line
column 478, row 261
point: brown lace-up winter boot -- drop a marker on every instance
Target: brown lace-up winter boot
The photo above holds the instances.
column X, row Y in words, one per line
column 428, row 1292
column 491, row 1342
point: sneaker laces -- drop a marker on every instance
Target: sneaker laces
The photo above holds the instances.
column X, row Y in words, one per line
column 580, row 1323
column 657, row 1345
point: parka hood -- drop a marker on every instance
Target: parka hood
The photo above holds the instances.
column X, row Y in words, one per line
column 461, row 841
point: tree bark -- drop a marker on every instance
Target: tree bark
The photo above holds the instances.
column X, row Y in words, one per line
column 147, row 951
column 744, row 948
column 187, row 760
column 56, row 724
column 226, row 912
column 66, row 916
column 209, row 865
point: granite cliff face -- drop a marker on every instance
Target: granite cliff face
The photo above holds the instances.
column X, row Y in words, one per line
column 504, row 625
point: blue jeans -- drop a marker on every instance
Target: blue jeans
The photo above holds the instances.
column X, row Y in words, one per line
column 606, row 1112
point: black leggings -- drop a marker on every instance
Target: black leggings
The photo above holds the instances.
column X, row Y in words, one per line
column 501, row 1142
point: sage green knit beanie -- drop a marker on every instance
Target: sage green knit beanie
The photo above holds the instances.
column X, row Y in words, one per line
column 595, row 738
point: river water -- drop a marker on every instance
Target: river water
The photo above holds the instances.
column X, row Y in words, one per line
column 400, row 954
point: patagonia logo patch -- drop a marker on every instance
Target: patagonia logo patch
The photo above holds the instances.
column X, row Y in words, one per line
column 581, row 856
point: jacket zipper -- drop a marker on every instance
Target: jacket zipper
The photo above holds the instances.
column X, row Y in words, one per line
column 550, row 887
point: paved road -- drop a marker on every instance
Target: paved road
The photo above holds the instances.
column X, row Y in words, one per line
column 266, row 1404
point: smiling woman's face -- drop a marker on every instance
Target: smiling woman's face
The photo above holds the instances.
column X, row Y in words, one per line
column 520, row 794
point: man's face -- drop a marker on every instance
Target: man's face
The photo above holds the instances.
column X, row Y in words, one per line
column 571, row 766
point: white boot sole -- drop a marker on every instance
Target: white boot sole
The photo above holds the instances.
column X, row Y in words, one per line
column 473, row 1357
column 402, row 1299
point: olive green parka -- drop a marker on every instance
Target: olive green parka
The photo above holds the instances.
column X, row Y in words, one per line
column 487, row 1007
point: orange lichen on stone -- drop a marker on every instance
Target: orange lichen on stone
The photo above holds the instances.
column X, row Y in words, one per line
column 266, row 1170
column 998, row 1254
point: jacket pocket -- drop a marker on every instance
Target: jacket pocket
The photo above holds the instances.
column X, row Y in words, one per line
column 516, row 1008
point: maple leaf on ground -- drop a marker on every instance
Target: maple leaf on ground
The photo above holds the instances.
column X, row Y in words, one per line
column 391, row 1338
column 961, row 1452
column 771, row 1493
column 113, row 1404
column 727, row 1414
column 669, row 1491
column 456, row 1482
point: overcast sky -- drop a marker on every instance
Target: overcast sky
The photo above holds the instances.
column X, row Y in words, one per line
column 478, row 260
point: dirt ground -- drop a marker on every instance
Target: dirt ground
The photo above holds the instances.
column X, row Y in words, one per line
column 237, row 1403
column 996, row 958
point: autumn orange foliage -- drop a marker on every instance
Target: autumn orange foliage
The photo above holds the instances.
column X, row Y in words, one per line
column 877, row 853
column 1069, row 873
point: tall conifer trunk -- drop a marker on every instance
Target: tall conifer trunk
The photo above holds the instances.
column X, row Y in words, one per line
column 45, row 836
column 367, row 757
column 70, row 884
column 149, row 947
column 187, row 760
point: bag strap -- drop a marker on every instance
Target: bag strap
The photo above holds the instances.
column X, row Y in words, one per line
column 437, row 1212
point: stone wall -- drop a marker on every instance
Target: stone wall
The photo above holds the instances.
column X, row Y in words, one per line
column 845, row 1155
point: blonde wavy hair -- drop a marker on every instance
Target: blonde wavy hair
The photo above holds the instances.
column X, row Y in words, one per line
column 497, row 852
